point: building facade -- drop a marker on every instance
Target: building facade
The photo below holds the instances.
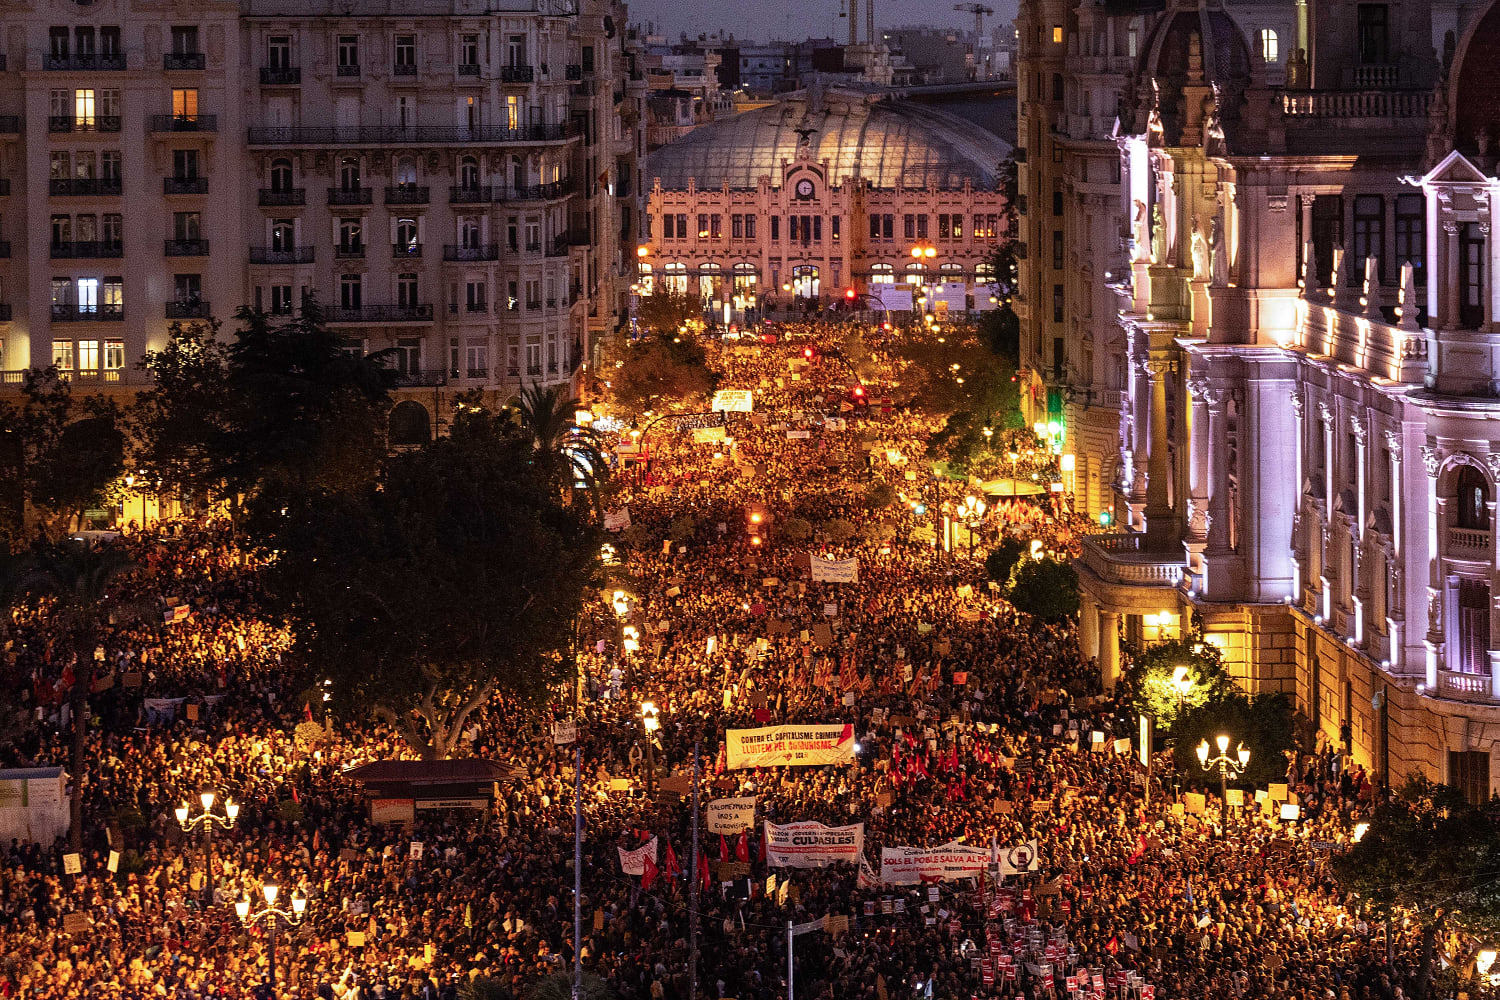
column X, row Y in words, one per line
column 453, row 181
column 1303, row 344
column 796, row 204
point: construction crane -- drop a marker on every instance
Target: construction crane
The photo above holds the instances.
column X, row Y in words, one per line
column 978, row 10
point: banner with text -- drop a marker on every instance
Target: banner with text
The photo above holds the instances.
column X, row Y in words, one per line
column 835, row 570
column 617, row 520
column 733, row 400
column 1017, row 860
column 634, row 862
column 731, row 815
column 910, row 865
column 790, row 746
column 813, row 845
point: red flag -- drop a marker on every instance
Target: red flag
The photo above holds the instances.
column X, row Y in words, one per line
column 295, row 797
column 723, row 848
column 307, row 710
column 648, row 874
column 316, row 838
column 673, row 868
column 742, row 847
column 703, row 872
column 762, row 853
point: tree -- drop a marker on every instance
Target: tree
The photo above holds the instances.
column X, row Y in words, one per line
column 797, row 529
column 559, row 986
column 548, row 417
column 1148, row 679
column 655, row 368
column 83, row 580
column 880, row 495
column 1003, row 558
column 1263, row 723
column 88, row 459
column 667, row 311
column 180, row 425
column 1045, row 589
column 838, row 530
column 458, row 573
column 1430, row 856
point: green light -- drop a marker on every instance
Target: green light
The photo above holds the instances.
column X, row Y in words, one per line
column 1105, row 518
column 1054, row 428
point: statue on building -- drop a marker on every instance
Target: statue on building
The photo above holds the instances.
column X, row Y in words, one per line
column 1218, row 254
column 1296, row 70
column 1158, row 236
column 1200, row 252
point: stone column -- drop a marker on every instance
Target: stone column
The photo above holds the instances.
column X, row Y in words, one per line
column 1109, row 648
column 1159, row 521
column 1088, row 626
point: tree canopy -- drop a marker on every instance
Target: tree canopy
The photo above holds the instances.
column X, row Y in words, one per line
column 1147, row 679
column 181, row 424
column 1045, row 589
column 667, row 311
column 657, row 367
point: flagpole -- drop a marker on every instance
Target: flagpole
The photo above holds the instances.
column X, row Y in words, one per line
column 788, row 960
column 577, row 868
column 693, row 891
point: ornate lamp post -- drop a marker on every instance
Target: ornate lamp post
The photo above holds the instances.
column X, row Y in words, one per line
column 272, row 916
column 208, row 821
column 1227, row 766
column 651, row 721
column 973, row 510
column 1182, row 683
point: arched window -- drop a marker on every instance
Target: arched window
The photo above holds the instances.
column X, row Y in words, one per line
column 349, row 173
column 710, row 283
column 644, row 279
column 916, row 274
column 406, row 172
column 281, row 174
column 674, row 278
column 882, row 274
column 806, row 282
column 406, row 237
column 1472, row 500
column 410, row 424
column 468, row 173
column 1269, row 49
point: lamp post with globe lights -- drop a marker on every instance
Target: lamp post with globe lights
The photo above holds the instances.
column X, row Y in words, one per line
column 1227, row 766
column 272, row 916
column 651, row 722
column 972, row 508
column 207, row 820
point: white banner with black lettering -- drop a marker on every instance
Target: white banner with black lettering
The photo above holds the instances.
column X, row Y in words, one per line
column 813, row 845
column 634, row 862
column 731, row 816
column 910, row 865
column 835, row 570
column 1019, row 859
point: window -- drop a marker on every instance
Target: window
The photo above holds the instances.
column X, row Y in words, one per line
column 1057, row 203
column 945, row 231
column 703, row 227
column 185, row 164
column 1269, row 51
column 283, row 235
column 351, row 291
column 184, row 102
column 1327, row 233
column 1411, row 237
column 187, row 225
column 1057, row 303
column 468, row 50
column 1057, row 249
column 1057, row 86
column 468, row 173
column 469, row 231
column 114, row 355
column 833, row 224
column 533, row 293
column 921, row 227
column 515, row 50
column 281, row 175
column 406, row 55
column 1372, row 33
column 281, row 300
column 776, row 227
column 351, row 235
column 1469, row 772
column 406, row 290
column 882, row 274
column 908, row 226
column 682, row 230
column 1369, row 235
column 62, row 355
column 185, row 41
column 1471, row 499
column 109, row 42
column 62, row 292
column 188, row 288
column 587, row 58
column 88, row 295
column 349, row 174
column 406, row 236
column 749, row 227
column 1473, row 627
column 112, row 229
column 58, row 43
column 279, row 52
column 1057, row 34
column 874, row 226
column 62, row 229
column 716, row 226
column 88, row 355
column 475, row 296
column 1471, row 249
column 736, row 227
column 348, row 53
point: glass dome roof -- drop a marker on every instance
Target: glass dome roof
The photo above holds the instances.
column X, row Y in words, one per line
column 883, row 142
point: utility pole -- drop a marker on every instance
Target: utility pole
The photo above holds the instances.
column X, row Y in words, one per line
column 577, row 868
column 693, row 890
column 789, row 960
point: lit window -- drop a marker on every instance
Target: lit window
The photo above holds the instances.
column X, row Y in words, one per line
column 1269, row 51
column 114, row 355
column 1057, row 34
column 62, row 355
column 88, row 355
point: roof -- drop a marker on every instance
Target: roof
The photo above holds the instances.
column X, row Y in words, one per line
column 30, row 773
column 436, row 772
column 884, row 142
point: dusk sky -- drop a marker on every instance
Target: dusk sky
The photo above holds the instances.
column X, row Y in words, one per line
column 798, row 19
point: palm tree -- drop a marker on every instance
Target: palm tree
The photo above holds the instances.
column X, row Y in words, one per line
column 82, row 579
column 548, row 416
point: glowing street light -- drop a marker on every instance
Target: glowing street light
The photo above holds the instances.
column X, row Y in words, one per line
column 651, row 722
column 207, row 820
column 1227, row 766
column 272, row 916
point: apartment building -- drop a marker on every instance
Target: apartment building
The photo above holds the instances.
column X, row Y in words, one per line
column 455, row 182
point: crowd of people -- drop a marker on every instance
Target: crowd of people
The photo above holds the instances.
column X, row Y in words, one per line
column 973, row 725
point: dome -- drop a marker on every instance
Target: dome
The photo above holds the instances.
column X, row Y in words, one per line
column 883, row 142
column 1473, row 93
column 1191, row 44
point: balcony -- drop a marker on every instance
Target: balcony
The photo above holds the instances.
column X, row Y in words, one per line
column 406, row 251
column 1469, row 543
column 476, row 307
column 294, row 255
column 419, row 378
column 349, row 196
column 280, row 76
column 516, row 74
column 173, row 61
column 404, row 69
column 379, row 314
column 406, row 194
column 349, row 251
column 92, row 375
column 87, row 249
column 88, row 123
column 272, row 198
column 111, row 63
column 10, row 124
column 184, row 185
column 469, row 195
column 184, row 123
column 537, row 192
column 410, row 135
column 185, row 248
column 1330, row 105
column 1121, row 558
column 188, row 310
column 1460, row 686
column 69, row 313
column 533, row 371
column 468, row 69
column 63, row 187
column 486, row 251
column 348, row 71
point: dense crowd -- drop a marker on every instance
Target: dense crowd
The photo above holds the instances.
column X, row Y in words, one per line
column 973, row 725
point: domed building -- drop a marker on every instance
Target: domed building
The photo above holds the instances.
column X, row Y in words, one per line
column 793, row 204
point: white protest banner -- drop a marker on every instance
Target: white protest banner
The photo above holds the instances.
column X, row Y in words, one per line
column 1018, row 860
column 634, row 862
column 564, row 732
column 813, row 845
column 809, row 927
column 416, row 850
column 708, row 435
column 72, row 864
column 892, row 297
column 802, row 435
column 790, row 746
column 731, row 815
column 617, row 520
column 835, row 570
column 910, row 865
column 114, row 861
column 732, row 400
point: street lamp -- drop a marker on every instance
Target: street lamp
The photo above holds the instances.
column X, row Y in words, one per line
column 1227, row 766
column 972, row 509
column 272, row 916
column 651, row 722
column 208, row 821
column 1182, row 681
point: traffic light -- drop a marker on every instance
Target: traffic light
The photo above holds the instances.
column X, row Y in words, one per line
column 849, row 294
column 807, row 352
column 859, row 392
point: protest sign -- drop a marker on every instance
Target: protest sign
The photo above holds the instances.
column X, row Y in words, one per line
column 634, row 862
column 813, row 845
column 564, row 732
column 790, row 746
column 731, row 815
column 835, row 570
column 1018, row 859
column 911, row 865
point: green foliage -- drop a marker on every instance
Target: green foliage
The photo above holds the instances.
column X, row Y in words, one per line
column 682, row 529
column 1003, row 558
column 655, row 368
column 1045, row 589
column 880, row 532
column 290, row 810
column 666, row 311
column 1262, row 723
column 560, row 987
column 458, row 573
column 484, row 988
column 880, row 495
column 548, row 417
column 128, row 819
column 180, row 424
column 837, row 530
column 1147, row 680
column 1430, row 855
column 797, row 529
